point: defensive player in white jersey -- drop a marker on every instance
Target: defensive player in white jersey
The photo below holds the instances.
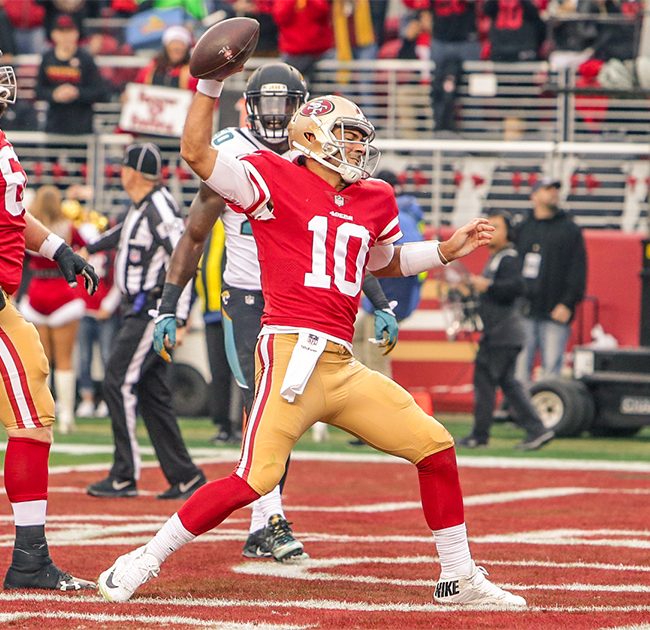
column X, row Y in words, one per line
column 319, row 222
column 273, row 93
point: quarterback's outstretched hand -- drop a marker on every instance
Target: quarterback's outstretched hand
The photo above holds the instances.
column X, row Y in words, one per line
column 164, row 335
column 464, row 240
column 72, row 265
column 386, row 329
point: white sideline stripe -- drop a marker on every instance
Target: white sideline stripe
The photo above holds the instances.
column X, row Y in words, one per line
column 643, row 626
column 316, row 604
column 165, row 621
column 214, row 455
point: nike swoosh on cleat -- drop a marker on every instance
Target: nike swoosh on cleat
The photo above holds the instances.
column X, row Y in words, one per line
column 184, row 487
column 109, row 580
column 120, row 485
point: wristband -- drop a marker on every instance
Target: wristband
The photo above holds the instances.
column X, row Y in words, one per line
column 209, row 87
column 418, row 257
column 443, row 260
column 169, row 300
column 50, row 245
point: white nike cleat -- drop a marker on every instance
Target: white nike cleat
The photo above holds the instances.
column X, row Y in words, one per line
column 129, row 572
column 475, row 590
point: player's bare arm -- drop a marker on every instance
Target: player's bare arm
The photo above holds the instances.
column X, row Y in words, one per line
column 35, row 233
column 207, row 206
column 197, row 133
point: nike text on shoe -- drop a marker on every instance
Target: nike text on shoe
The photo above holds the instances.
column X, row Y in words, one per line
column 48, row 576
column 533, row 443
column 284, row 547
column 129, row 572
column 475, row 590
column 184, row 489
column 113, row 488
column 257, row 544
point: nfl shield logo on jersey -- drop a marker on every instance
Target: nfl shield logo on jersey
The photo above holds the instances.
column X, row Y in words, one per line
column 339, row 200
column 249, row 300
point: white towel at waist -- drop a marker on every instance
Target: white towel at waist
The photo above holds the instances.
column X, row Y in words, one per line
column 303, row 360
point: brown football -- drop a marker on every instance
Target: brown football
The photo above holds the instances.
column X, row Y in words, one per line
column 224, row 48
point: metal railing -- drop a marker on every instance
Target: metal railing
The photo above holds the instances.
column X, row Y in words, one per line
column 604, row 185
column 530, row 100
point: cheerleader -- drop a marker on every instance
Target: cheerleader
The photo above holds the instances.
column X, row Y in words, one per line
column 53, row 306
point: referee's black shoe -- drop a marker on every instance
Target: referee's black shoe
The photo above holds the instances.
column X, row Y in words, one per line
column 113, row 488
column 184, row 489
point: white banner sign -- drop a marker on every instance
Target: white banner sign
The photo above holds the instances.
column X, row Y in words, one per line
column 152, row 109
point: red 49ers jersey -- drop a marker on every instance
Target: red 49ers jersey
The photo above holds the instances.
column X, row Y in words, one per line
column 313, row 251
column 12, row 217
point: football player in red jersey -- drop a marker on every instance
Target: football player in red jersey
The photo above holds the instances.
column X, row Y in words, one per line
column 26, row 404
column 318, row 223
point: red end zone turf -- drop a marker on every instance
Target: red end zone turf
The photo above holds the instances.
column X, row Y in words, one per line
column 575, row 544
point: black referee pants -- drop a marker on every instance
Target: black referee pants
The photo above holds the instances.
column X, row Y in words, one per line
column 136, row 379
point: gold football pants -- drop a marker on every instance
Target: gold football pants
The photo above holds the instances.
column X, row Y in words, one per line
column 25, row 398
column 341, row 392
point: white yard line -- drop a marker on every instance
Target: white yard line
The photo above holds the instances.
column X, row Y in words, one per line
column 311, row 604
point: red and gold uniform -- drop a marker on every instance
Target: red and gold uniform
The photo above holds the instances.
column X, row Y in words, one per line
column 25, row 399
column 313, row 245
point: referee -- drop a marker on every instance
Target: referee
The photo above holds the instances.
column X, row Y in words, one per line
column 136, row 377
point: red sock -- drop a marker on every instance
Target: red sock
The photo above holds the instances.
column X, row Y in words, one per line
column 214, row 502
column 442, row 498
column 26, row 469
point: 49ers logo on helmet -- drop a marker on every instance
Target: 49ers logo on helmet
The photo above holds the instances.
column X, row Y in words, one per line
column 317, row 108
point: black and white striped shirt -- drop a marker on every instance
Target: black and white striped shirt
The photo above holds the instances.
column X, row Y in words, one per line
column 144, row 242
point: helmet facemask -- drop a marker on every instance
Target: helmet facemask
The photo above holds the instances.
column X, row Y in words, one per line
column 270, row 109
column 8, row 85
column 334, row 147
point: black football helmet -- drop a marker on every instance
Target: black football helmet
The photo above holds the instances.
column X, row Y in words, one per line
column 274, row 92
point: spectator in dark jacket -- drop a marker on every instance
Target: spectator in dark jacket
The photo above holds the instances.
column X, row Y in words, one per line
column 554, row 266
column 69, row 81
column 454, row 40
column 499, row 287
column 517, row 30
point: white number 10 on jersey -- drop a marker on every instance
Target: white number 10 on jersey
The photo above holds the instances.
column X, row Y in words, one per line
column 318, row 277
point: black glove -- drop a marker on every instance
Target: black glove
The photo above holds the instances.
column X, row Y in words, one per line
column 72, row 265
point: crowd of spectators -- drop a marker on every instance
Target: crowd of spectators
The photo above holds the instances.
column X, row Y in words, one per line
column 69, row 34
column 500, row 30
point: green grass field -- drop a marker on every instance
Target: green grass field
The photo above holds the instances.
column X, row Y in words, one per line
column 197, row 433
